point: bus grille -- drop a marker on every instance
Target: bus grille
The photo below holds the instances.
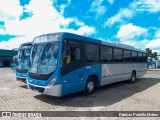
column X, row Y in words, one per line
column 41, row 90
column 22, row 70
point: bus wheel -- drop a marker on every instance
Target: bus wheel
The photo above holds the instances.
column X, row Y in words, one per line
column 133, row 77
column 90, row 86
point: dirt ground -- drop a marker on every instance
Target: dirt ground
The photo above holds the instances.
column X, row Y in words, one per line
column 144, row 95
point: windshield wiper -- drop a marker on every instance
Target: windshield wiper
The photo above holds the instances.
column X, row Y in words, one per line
column 45, row 50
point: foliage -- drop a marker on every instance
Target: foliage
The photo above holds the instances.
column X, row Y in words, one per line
column 151, row 54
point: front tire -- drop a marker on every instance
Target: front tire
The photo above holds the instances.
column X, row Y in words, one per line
column 90, row 86
column 133, row 77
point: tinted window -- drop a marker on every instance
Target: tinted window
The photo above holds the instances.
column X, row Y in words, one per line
column 118, row 55
column 140, row 57
column 127, row 56
column 134, row 56
column 144, row 57
column 92, row 53
column 72, row 55
column 106, row 54
column 78, row 55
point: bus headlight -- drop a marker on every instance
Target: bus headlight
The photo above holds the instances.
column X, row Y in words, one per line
column 52, row 81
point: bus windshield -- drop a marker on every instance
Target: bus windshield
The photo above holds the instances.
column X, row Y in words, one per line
column 23, row 57
column 43, row 59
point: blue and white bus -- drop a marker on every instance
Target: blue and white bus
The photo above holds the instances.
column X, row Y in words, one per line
column 22, row 61
column 65, row 63
column 14, row 62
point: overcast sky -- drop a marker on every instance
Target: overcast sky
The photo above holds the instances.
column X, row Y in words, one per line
column 132, row 22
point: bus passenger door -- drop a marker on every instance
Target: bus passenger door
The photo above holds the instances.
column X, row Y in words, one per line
column 72, row 71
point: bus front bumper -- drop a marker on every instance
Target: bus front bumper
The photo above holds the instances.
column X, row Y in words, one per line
column 48, row 90
column 21, row 76
column 21, row 79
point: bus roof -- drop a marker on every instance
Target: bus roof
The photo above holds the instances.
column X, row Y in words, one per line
column 87, row 39
column 27, row 43
column 119, row 45
column 23, row 44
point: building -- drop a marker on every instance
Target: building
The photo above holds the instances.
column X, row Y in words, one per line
column 6, row 56
column 153, row 63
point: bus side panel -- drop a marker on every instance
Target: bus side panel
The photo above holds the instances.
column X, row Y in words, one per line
column 128, row 68
column 141, row 69
column 106, row 74
column 96, row 70
column 75, row 81
column 112, row 73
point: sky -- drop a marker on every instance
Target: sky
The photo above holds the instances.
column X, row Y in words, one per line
column 131, row 22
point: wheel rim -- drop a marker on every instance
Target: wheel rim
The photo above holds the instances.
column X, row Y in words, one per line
column 90, row 86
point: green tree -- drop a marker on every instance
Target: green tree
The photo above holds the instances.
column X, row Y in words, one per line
column 149, row 52
column 154, row 55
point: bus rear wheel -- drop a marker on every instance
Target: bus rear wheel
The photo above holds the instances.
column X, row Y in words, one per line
column 90, row 86
column 133, row 77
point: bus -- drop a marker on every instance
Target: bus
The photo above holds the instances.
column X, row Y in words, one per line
column 22, row 61
column 64, row 63
column 14, row 62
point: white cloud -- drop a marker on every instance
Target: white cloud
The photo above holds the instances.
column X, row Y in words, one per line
column 130, row 31
column 129, row 34
column 10, row 10
column 136, row 7
column 141, row 44
column 157, row 34
column 122, row 14
column 13, row 42
column 78, row 22
column 154, row 44
column 45, row 19
column 135, row 43
column 133, row 35
column 86, row 30
column 111, row 1
column 98, row 8
column 63, row 6
column 4, row 45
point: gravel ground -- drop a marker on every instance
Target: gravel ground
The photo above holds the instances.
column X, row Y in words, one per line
column 144, row 95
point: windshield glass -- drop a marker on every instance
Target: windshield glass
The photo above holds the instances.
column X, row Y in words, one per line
column 43, row 59
column 23, row 57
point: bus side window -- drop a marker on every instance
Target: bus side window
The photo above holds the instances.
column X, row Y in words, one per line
column 72, row 55
column 144, row 57
column 78, row 55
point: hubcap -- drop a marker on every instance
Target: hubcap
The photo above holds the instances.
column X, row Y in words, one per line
column 90, row 86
